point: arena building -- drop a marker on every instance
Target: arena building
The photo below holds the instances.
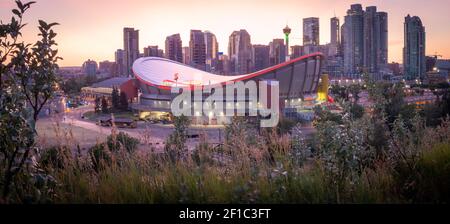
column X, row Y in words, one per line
column 298, row 81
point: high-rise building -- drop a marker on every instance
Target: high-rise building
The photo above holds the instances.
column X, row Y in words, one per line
column 375, row 40
column 119, row 57
column 174, row 50
column 212, row 50
column 240, row 52
column 353, row 40
column 186, row 55
column 311, row 31
column 297, row 51
column 130, row 47
column 365, row 41
column 152, row 51
column 277, row 51
column 335, row 36
column 382, row 54
column 286, row 32
column 197, row 46
column 160, row 53
column 90, row 67
column 260, row 56
column 223, row 66
column 395, row 68
column 212, row 46
column 106, row 67
column 414, row 48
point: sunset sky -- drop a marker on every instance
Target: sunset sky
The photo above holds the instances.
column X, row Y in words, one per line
column 92, row 29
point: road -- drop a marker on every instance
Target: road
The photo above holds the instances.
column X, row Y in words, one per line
column 153, row 134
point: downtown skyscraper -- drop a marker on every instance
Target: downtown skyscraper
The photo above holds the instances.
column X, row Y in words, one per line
column 414, row 48
column 335, row 36
column 277, row 51
column 197, row 47
column 174, row 48
column 375, row 40
column 119, row 57
column 353, row 39
column 364, row 41
column 131, row 48
column 153, row 51
column 311, row 31
column 260, row 57
column 311, row 34
column 240, row 52
column 212, row 49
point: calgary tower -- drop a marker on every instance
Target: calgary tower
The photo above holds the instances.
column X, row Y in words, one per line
column 286, row 32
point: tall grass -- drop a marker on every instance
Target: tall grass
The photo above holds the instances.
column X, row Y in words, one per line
column 263, row 169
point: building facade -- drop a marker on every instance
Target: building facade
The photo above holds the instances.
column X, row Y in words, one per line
column 260, row 56
column 131, row 48
column 311, row 31
column 297, row 51
column 186, row 55
column 353, row 40
column 90, row 67
column 106, row 67
column 277, row 53
column 335, row 36
column 414, row 62
column 174, row 49
column 223, row 64
column 240, row 52
column 212, row 50
column 153, row 51
column 298, row 81
column 197, row 46
column 375, row 40
column 364, row 41
column 119, row 58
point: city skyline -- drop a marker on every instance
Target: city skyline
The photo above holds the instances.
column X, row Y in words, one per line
column 94, row 31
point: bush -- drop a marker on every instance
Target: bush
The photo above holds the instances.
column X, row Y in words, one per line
column 100, row 156
column 122, row 141
column 357, row 111
column 434, row 175
column 285, row 125
column 56, row 157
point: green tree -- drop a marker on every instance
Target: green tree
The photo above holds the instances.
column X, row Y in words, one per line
column 98, row 105
column 175, row 147
column 72, row 86
column 123, row 101
column 122, row 141
column 104, row 105
column 115, row 99
column 27, row 79
column 355, row 90
column 38, row 76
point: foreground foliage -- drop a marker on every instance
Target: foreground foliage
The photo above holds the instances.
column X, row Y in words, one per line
column 274, row 169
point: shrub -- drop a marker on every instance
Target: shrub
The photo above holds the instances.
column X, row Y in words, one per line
column 100, row 156
column 175, row 148
column 433, row 177
column 122, row 141
column 285, row 125
column 56, row 157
